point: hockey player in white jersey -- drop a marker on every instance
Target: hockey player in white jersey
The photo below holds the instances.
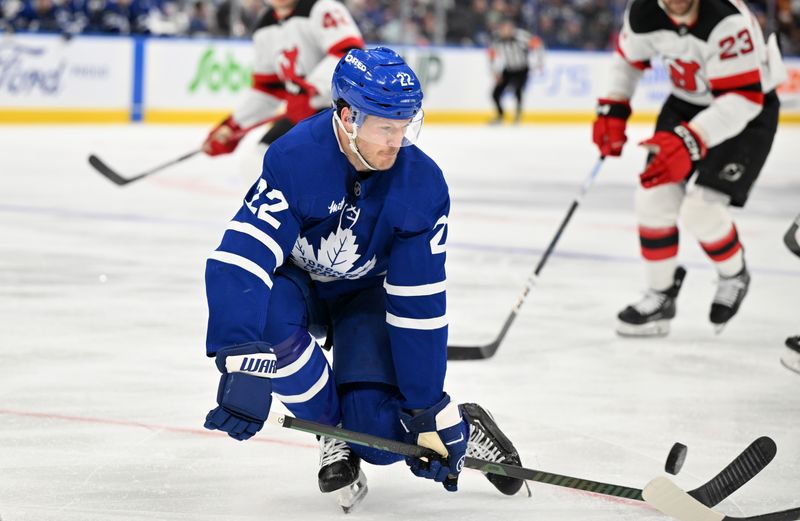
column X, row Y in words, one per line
column 716, row 128
column 343, row 236
column 296, row 45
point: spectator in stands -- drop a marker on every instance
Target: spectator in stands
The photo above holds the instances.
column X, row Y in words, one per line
column 238, row 17
column 562, row 24
column 199, row 20
column 466, row 24
column 42, row 16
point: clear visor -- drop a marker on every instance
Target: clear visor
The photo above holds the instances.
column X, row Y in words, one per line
column 387, row 132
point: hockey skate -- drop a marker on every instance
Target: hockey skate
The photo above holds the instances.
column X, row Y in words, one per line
column 340, row 472
column 651, row 315
column 487, row 442
column 791, row 355
column 730, row 293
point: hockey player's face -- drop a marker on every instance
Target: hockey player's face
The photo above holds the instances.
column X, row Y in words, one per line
column 679, row 7
column 379, row 140
column 282, row 4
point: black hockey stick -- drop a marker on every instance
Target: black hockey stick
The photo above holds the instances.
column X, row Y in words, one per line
column 112, row 175
column 480, row 352
column 755, row 458
column 667, row 497
column 741, row 470
column 117, row 179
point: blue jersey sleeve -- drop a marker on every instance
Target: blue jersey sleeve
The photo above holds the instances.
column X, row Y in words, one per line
column 416, row 303
column 239, row 272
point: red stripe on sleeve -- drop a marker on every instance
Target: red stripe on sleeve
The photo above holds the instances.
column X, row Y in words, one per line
column 641, row 65
column 340, row 48
column 754, row 97
column 270, row 84
column 737, row 80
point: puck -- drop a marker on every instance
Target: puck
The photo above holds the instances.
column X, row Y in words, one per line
column 676, row 458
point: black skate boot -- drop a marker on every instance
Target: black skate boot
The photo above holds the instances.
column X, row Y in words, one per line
column 791, row 355
column 730, row 293
column 340, row 470
column 651, row 315
column 487, row 442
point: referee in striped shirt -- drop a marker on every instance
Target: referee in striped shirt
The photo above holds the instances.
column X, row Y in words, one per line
column 510, row 55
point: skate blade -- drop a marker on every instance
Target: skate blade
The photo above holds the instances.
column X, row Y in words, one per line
column 650, row 329
column 352, row 495
column 791, row 360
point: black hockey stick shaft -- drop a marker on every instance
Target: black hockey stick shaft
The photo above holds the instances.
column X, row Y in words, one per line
column 480, row 352
column 791, row 514
column 112, row 175
column 560, row 480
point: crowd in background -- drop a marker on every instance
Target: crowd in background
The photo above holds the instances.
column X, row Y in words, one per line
column 561, row 24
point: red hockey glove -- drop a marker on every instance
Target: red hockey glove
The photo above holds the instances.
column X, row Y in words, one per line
column 224, row 138
column 676, row 152
column 608, row 132
column 298, row 107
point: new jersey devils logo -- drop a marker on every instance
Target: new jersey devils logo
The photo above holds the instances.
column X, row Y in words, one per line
column 289, row 71
column 684, row 74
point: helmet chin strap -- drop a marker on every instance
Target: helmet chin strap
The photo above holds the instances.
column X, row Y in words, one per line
column 352, row 140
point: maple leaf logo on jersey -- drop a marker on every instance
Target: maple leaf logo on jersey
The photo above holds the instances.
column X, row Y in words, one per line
column 337, row 255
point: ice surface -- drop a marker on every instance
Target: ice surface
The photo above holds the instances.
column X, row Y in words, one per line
column 104, row 384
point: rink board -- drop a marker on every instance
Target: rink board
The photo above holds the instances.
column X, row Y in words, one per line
column 46, row 79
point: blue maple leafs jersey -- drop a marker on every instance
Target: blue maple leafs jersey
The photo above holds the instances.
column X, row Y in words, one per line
column 349, row 231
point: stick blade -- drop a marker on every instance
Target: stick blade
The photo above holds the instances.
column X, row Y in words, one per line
column 106, row 171
column 472, row 352
column 667, row 497
column 745, row 467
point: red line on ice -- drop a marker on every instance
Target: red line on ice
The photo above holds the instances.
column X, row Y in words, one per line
column 151, row 426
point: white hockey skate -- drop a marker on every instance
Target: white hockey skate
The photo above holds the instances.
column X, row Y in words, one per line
column 651, row 315
column 730, row 294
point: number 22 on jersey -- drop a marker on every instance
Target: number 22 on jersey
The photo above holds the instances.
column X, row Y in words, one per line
column 276, row 202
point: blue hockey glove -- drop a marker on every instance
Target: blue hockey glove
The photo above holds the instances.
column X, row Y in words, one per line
column 245, row 389
column 443, row 429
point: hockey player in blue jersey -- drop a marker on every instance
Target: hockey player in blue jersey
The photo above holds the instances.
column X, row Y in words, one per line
column 343, row 236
